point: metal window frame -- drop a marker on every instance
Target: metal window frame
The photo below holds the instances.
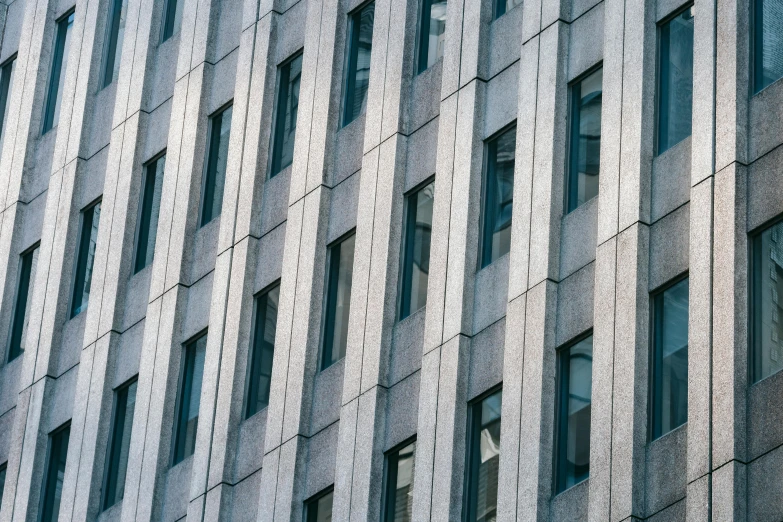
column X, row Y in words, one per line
column 184, row 390
column 311, row 515
column 473, row 451
column 330, row 299
column 489, row 175
column 114, row 446
column 167, row 28
column 6, row 71
column 20, row 302
column 278, row 125
column 210, row 166
column 146, row 194
column 62, row 24
column 49, row 482
column 80, row 270
column 573, row 121
column 410, row 212
column 390, row 470
column 351, row 57
column 110, row 42
column 254, row 357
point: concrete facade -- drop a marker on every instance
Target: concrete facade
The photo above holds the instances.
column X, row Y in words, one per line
column 689, row 210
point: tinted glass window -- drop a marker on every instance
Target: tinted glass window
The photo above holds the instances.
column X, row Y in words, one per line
column 6, row 81
column 3, row 469
column 115, row 33
column 416, row 250
column 400, row 467
column 189, row 399
column 290, row 75
column 767, row 309
column 172, row 18
column 484, row 458
column 62, row 44
column 338, row 301
column 503, row 6
column 87, row 241
column 585, row 147
column 357, row 78
column 217, row 159
column 320, row 509
column 768, row 42
column 675, row 80
column 498, row 197
column 27, row 265
column 263, row 351
column 432, row 32
column 149, row 211
column 51, row 493
column 124, row 407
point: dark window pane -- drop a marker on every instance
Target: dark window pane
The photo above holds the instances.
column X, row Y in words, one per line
column 484, row 459
column 89, row 237
column 675, row 89
column 149, row 211
column 62, row 43
column 6, row 81
column 55, row 474
column 189, row 399
column 416, row 253
column 320, row 509
column 115, row 32
column 172, row 18
column 400, row 467
column 357, row 78
column 585, row 148
column 768, row 42
column 767, row 310
column 27, row 266
column 3, row 469
column 432, row 32
column 338, row 301
column 504, row 6
column 124, row 407
column 217, row 158
column 498, row 197
column 290, row 75
column 263, row 351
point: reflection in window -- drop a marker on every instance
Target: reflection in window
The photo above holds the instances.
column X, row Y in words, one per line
column 115, row 33
column 6, row 81
column 27, row 265
column 172, row 18
column 290, row 74
column 767, row 42
column 675, row 77
column 357, row 78
column 484, row 459
column 416, row 250
column 149, row 212
column 62, row 45
column 319, row 508
column 189, row 400
column 432, row 33
column 91, row 217
column 217, row 159
column 504, row 6
column 400, row 468
column 124, row 406
column 498, row 197
column 585, row 147
column 338, row 301
column 263, row 351
column 51, row 491
column 767, row 309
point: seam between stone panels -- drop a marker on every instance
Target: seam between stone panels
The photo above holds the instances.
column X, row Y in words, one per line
column 435, row 429
column 490, row 78
column 50, row 376
column 262, row 236
column 558, row 19
column 207, row 62
column 532, row 170
column 381, row 386
column 521, row 389
column 312, row 105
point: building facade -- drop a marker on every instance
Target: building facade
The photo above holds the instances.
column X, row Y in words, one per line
column 391, row 260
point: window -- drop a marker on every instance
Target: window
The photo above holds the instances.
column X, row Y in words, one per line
column 189, row 399
column 319, row 508
column 290, row 77
column 3, row 469
column 338, row 301
column 89, row 236
column 51, row 490
column 115, row 30
column 398, row 500
column 432, row 29
column 172, row 18
column 263, row 350
column 416, row 250
column 119, row 444
column 669, row 397
column 498, row 197
column 575, row 386
column 217, row 158
column 483, row 458
column 21, row 317
column 357, row 76
column 767, row 303
column 585, row 149
column 675, row 80
column 767, row 43
column 149, row 211
column 62, row 43
column 6, row 81
column 504, row 6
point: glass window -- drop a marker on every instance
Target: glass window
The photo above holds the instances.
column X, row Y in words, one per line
column 400, row 467
column 189, row 399
column 6, row 81
column 172, row 18
column 51, row 490
column 88, row 238
column 767, row 42
column 62, row 43
column 357, row 77
column 338, row 301
column 263, row 351
column 575, row 385
column 669, row 397
column 3, row 469
column 675, row 80
column 149, row 212
column 290, row 77
column 498, row 197
column 484, row 458
column 115, row 32
column 319, row 508
column 767, row 309
column 217, row 159
column 416, row 250
column 504, row 6
column 585, row 149
column 119, row 444
column 27, row 265
column 432, row 32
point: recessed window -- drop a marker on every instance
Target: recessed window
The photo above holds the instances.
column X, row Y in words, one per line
column 88, row 238
column 319, row 508
column 498, row 197
column 585, row 143
column 432, row 33
column 416, row 250
column 767, row 43
column 263, row 350
column 189, row 399
column 338, row 301
column 675, row 80
column 398, row 500
column 483, row 458
column 669, row 397
column 290, row 77
column 62, row 44
column 115, row 31
column 217, row 159
column 172, row 19
column 3, row 470
column 767, row 303
column 575, row 386
column 119, row 444
column 6, row 81
column 504, row 6
column 21, row 317
column 149, row 212
column 51, row 490
column 357, row 77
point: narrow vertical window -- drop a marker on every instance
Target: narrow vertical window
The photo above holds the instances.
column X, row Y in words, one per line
column 669, row 397
column 21, row 317
column 767, row 303
column 398, row 500
column 484, row 458
column 504, row 6
column 172, row 18
column 3, row 469
column 767, row 43
column 119, row 444
column 338, row 301
column 498, row 197
column 87, row 240
column 290, row 77
column 357, row 77
column 217, row 158
column 51, row 491
column 432, row 33
column 416, row 250
column 585, row 145
column 575, row 387
column 319, row 508
column 189, row 399
column 675, row 80
column 149, row 211
column 115, row 31
column 6, row 81
column 263, row 351
column 62, row 43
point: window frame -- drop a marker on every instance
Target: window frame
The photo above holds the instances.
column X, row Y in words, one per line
column 140, row 227
column 183, row 399
column 349, row 61
column 168, row 20
column 253, row 355
column 111, row 461
column 755, row 45
column 5, row 92
column 489, row 173
column 313, row 500
column 276, row 151
column 406, row 252
column 332, row 278
column 4, row 474
column 16, row 321
column 56, row 69
column 422, row 36
column 49, row 480
column 80, row 266
column 389, row 482
column 473, row 437
column 209, row 173
column 111, row 40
